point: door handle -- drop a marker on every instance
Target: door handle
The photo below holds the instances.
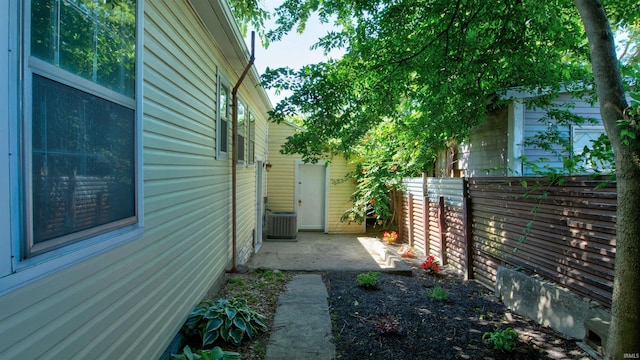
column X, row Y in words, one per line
column 299, row 202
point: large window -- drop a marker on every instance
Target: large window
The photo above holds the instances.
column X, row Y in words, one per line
column 79, row 121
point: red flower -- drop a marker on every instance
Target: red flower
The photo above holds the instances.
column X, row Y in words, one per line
column 430, row 265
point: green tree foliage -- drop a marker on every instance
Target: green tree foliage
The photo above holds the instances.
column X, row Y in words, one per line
column 251, row 13
column 449, row 60
column 388, row 152
column 426, row 71
column 446, row 59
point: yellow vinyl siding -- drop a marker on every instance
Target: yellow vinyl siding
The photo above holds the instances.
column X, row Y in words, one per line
column 340, row 193
column 281, row 186
column 130, row 301
column 246, row 213
column 280, row 180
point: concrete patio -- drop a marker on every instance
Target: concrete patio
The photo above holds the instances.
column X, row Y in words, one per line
column 317, row 251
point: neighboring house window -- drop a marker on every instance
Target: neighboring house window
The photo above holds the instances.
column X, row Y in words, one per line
column 242, row 124
column 223, row 119
column 583, row 136
column 79, row 121
column 252, row 139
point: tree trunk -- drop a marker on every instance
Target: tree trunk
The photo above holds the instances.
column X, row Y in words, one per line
column 624, row 331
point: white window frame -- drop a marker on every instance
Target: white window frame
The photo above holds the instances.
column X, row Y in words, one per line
column 242, row 123
column 584, row 129
column 8, row 103
column 15, row 272
column 222, row 154
column 251, row 136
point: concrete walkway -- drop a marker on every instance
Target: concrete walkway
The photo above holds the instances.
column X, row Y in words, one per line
column 302, row 324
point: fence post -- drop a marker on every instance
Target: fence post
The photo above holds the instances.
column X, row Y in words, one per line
column 398, row 204
column 410, row 218
column 442, row 226
column 425, row 224
column 468, row 230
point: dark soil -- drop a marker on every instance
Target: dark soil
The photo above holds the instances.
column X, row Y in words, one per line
column 398, row 320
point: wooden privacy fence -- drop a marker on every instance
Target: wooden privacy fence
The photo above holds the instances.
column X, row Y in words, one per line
column 564, row 233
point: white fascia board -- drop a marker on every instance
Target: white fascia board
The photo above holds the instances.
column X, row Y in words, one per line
column 218, row 19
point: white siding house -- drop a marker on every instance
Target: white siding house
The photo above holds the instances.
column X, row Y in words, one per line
column 115, row 173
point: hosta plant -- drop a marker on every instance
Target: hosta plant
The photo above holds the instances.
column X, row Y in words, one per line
column 505, row 339
column 229, row 320
column 207, row 354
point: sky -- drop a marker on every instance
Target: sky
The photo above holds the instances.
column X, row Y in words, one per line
column 293, row 50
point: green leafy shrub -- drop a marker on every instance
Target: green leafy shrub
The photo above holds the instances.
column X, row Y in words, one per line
column 438, row 293
column 368, row 279
column 505, row 339
column 229, row 320
column 382, row 161
column 209, row 354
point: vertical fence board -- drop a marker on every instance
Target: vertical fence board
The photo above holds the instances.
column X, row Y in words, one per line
column 414, row 224
column 410, row 219
column 468, row 228
column 449, row 244
column 442, row 230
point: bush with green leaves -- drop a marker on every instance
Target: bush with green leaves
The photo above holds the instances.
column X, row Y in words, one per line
column 505, row 339
column 207, row 354
column 368, row 279
column 438, row 293
column 386, row 154
column 229, row 320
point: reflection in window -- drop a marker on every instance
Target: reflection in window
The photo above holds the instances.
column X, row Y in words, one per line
column 89, row 38
column 242, row 115
column 223, row 126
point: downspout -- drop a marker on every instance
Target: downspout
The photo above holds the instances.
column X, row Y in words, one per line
column 234, row 150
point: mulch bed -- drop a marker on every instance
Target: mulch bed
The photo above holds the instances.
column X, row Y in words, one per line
column 398, row 320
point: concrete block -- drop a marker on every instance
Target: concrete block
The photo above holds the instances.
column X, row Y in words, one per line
column 546, row 303
column 597, row 332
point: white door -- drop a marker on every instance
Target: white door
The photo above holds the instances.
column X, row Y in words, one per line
column 310, row 196
column 259, row 205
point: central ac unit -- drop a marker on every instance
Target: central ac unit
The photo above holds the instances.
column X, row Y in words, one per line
column 282, row 225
